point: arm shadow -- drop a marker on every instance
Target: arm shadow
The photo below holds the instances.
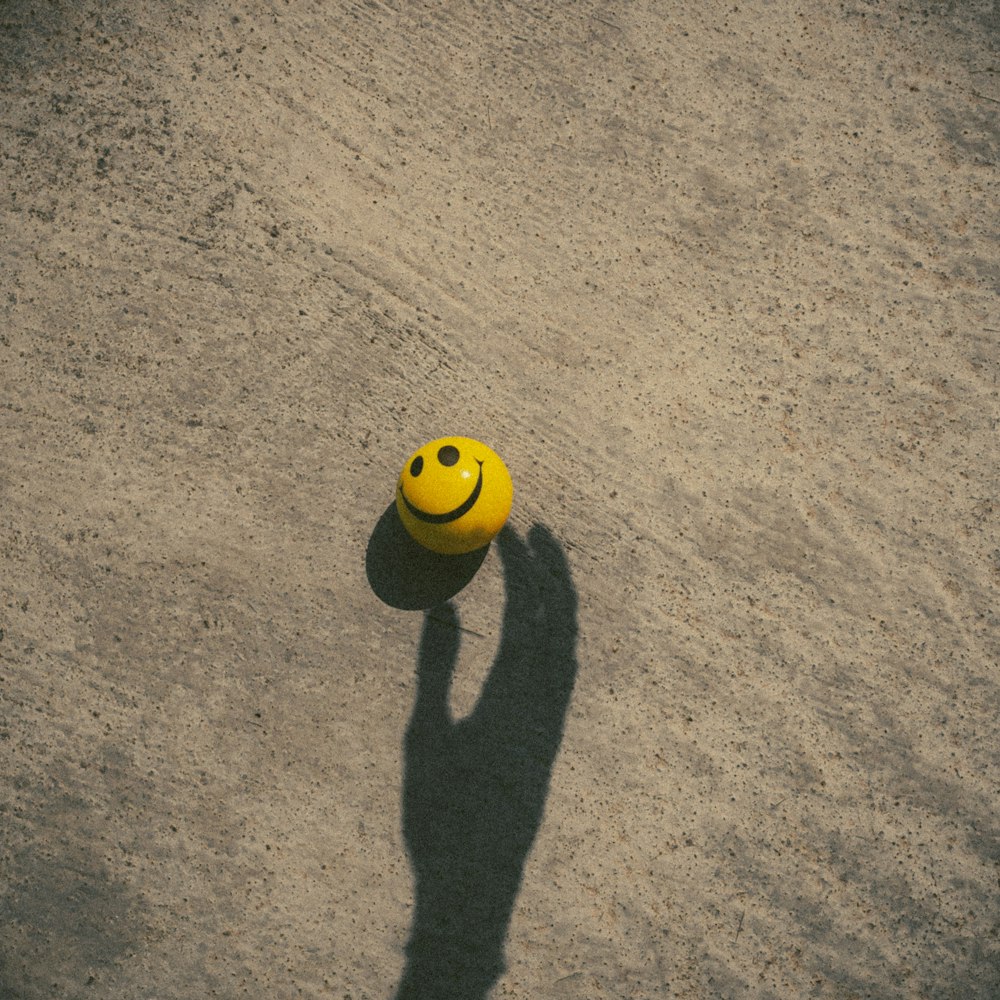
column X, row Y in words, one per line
column 474, row 789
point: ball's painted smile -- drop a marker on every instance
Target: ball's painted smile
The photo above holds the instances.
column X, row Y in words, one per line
column 451, row 515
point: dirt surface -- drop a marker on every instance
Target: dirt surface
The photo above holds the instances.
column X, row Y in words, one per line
column 719, row 282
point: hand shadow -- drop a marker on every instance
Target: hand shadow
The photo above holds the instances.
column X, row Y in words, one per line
column 474, row 790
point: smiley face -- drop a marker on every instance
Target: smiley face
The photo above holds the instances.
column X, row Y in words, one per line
column 454, row 495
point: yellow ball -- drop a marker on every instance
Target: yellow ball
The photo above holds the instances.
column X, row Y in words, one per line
column 454, row 495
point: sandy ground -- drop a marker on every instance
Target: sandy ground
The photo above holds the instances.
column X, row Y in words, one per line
column 720, row 284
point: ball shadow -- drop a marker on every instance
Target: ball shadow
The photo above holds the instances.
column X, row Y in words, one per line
column 405, row 575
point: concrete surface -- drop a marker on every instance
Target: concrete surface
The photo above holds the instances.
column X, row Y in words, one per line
column 719, row 281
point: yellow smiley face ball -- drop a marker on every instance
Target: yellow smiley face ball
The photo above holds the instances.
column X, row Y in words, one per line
column 454, row 495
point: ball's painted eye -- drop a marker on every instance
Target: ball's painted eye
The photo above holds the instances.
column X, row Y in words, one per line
column 416, row 465
column 448, row 455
